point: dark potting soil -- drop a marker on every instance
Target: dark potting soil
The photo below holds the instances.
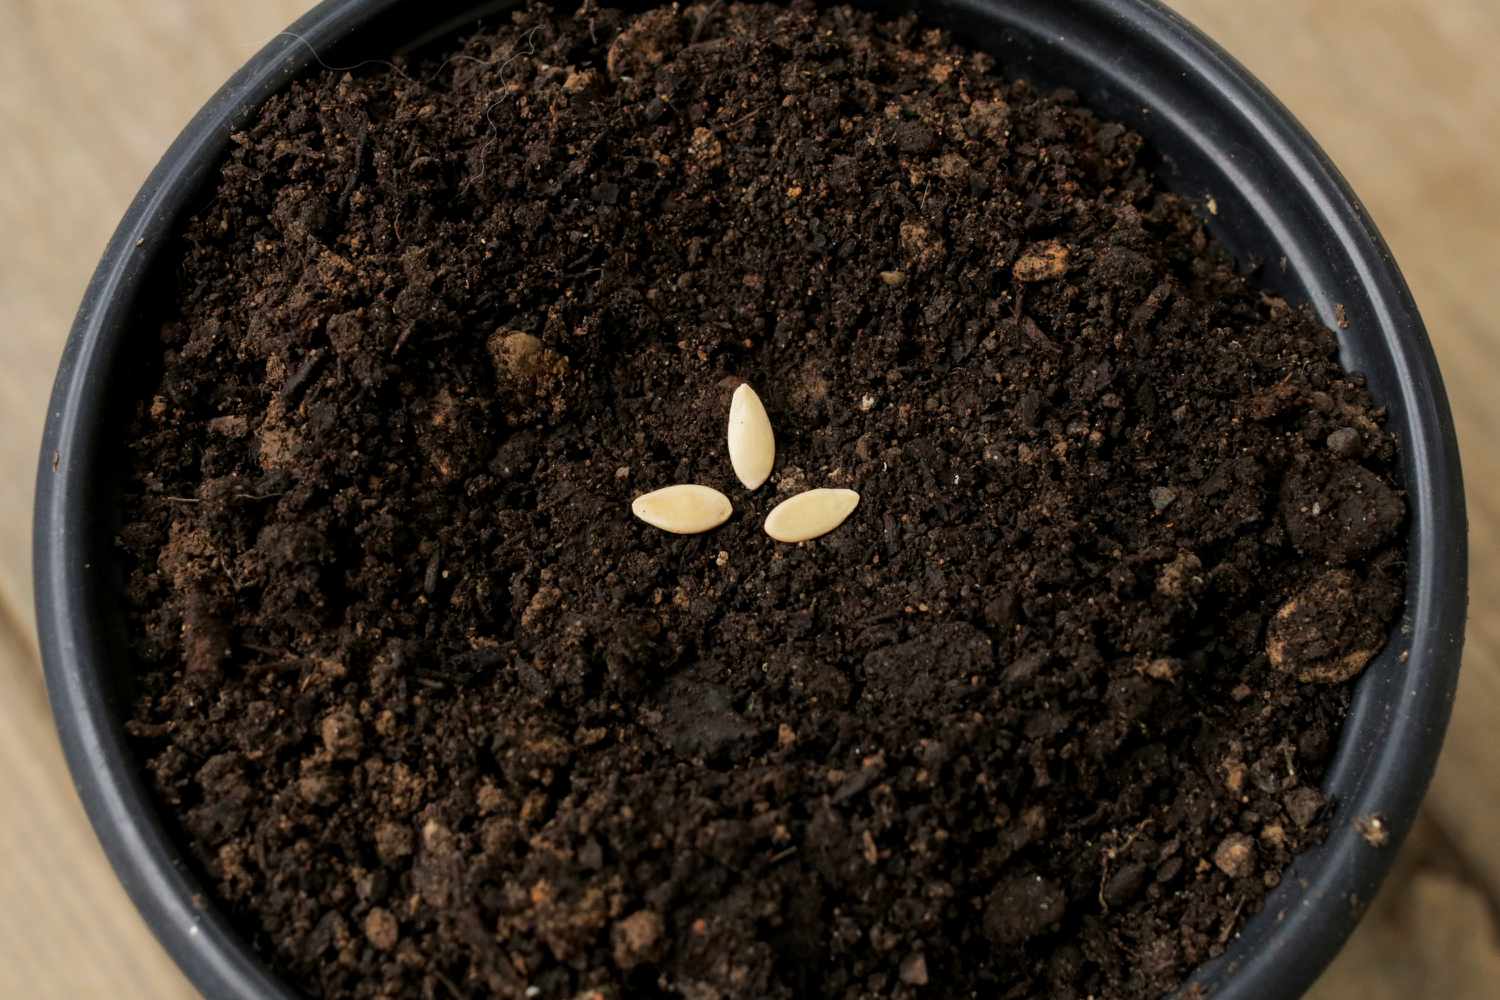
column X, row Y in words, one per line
column 438, row 718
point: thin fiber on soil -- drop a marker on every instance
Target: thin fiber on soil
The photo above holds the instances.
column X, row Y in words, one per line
column 1045, row 717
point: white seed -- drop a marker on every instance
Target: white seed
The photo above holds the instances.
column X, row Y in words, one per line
column 752, row 445
column 808, row 515
column 683, row 509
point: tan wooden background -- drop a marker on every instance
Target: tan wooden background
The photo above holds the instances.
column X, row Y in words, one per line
column 1405, row 95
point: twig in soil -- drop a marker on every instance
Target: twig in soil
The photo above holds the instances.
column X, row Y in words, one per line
column 1230, row 923
column 703, row 19
column 448, row 983
column 260, row 849
column 149, row 730
column 183, row 499
column 360, row 146
column 740, row 121
column 276, row 666
column 228, row 575
column 303, row 375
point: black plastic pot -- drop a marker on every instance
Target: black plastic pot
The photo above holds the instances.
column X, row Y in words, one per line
column 1219, row 133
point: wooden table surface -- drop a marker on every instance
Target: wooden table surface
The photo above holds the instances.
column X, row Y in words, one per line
column 1404, row 94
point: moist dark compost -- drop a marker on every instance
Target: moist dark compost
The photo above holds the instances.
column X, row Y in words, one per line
column 438, row 718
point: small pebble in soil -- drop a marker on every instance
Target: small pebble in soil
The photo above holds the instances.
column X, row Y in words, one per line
column 810, row 515
column 638, row 938
column 913, row 970
column 530, row 371
column 1042, row 262
column 1345, row 443
column 1022, row 908
column 685, row 509
column 1304, row 804
column 381, row 929
column 1235, row 855
column 1373, row 829
column 341, row 734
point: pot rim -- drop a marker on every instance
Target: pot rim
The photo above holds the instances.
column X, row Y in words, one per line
column 1389, row 743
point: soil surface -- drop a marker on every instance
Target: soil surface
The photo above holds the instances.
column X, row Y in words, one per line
column 1045, row 717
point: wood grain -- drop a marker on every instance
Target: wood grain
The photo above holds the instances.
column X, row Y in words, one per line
column 91, row 93
column 1402, row 93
